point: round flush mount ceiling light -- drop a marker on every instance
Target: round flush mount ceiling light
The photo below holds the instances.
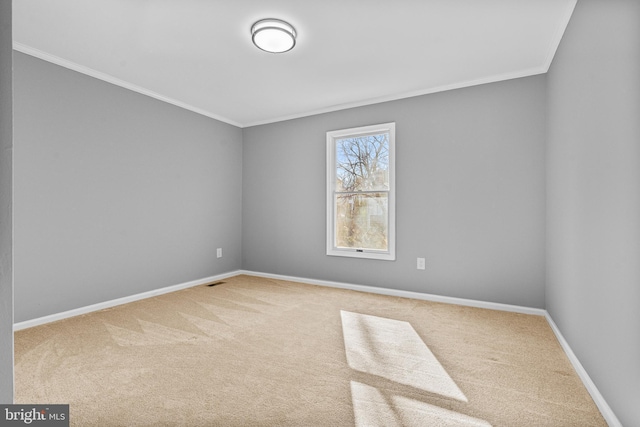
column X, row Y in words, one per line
column 273, row 35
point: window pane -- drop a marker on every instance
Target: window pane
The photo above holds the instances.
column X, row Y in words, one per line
column 362, row 221
column 362, row 163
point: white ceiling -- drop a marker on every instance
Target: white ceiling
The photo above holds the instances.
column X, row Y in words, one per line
column 198, row 54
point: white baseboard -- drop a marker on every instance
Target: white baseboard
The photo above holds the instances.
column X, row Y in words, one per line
column 605, row 409
column 112, row 303
column 404, row 294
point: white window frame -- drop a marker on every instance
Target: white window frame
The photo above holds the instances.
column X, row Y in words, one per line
column 332, row 249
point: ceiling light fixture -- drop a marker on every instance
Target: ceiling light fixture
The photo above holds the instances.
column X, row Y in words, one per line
column 273, row 35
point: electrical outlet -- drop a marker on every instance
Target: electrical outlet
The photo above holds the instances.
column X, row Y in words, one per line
column 421, row 263
column 219, row 252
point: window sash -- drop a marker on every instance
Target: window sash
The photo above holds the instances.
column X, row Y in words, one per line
column 362, row 221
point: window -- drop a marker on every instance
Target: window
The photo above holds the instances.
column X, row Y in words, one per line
column 361, row 192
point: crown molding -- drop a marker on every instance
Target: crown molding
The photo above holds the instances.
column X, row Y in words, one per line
column 28, row 50
column 378, row 100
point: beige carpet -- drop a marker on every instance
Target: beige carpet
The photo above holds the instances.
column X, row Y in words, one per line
column 261, row 352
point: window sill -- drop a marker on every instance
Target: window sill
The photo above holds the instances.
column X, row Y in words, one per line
column 364, row 254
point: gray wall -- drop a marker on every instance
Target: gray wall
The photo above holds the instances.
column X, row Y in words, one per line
column 6, row 279
column 115, row 193
column 470, row 194
column 593, row 252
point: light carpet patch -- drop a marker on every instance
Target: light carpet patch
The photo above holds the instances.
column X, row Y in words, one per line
column 373, row 407
column 393, row 350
